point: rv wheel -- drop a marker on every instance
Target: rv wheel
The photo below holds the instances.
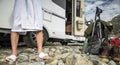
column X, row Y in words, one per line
column 64, row 43
column 30, row 39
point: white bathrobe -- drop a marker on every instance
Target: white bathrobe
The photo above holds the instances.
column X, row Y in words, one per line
column 27, row 16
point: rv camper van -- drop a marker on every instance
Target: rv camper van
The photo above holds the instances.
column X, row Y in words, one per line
column 63, row 21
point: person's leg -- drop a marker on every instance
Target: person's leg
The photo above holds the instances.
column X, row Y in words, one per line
column 14, row 42
column 39, row 38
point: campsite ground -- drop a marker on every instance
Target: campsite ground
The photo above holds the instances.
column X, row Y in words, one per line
column 58, row 55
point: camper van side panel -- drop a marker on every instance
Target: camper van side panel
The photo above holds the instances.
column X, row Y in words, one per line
column 6, row 8
column 54, row 18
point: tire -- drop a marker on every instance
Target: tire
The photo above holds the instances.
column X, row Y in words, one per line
column 64, row 43
column 30, row 38
column 45, row 37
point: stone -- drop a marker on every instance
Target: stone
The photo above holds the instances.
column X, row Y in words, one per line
column 60, row 62
column 37, row 63
column 58, row 55
column 52, row 54
column 69, row 60
column 23, row 57
column 112, row 63
column 49, row 60
column 82, row 60
column 23, row 63
column 33, row 57
column 55, row 62
column 105, row 60
column 58, row 52
column 63, row 56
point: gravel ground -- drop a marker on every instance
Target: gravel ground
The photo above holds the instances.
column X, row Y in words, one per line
column 58, row 55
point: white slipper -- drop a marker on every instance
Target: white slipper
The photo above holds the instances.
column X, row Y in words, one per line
column 11, row 58
column 42, row 55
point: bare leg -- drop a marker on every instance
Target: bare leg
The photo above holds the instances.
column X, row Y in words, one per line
column 39, row 38
column 14, row 42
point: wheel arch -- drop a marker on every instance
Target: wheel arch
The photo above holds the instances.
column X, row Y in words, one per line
column 44, row 28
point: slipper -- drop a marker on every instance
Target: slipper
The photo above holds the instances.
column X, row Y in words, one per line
column 43, row 55
column 11, row 58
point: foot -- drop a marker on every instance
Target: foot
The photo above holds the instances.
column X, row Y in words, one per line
column 43, row 55
column 11, row 58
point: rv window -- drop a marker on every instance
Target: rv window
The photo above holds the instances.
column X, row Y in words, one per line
column 78, row 8
column 61, row 3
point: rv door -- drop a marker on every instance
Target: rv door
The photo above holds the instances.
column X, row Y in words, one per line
column 78, row 17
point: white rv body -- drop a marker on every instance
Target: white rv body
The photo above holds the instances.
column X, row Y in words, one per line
column 54, row 18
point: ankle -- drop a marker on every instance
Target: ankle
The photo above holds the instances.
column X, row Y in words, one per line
column 14, row 54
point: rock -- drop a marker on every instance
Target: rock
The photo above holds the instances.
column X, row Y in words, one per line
column 95, row 62
column 46, row 49
column 82, row 60
column 23, row 63
column 2, row 57
column 30, row 50
column 69, row 60
column 33, row 58
column 49, row 60
column 22, row 58
column 54, row 62
column 6, row 63
column 102, row 63
column 63, row 56
column 112, row 63
column 94, row 57
column 52, row 49
column 58, row 55
column 37, row 63
column 52, row 54
column 60, row 62
column 105, row 60
column 58, row 52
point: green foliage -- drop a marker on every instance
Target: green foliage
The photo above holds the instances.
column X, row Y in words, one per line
column 116, row 25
